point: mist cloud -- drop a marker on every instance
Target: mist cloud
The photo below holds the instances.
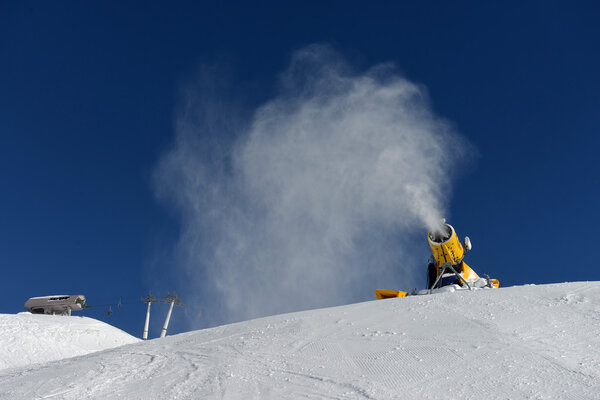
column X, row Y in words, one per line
column 313, row 199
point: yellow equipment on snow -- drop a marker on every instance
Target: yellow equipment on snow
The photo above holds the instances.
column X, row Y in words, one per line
column 388, row 294
column 447, row 267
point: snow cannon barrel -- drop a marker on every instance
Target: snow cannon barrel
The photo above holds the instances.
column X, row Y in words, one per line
column 445, row 246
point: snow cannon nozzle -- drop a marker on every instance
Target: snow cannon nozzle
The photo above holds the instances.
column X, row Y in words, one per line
column 442, row 233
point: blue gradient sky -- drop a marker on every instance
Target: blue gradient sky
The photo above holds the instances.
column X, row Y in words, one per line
column 89, row 94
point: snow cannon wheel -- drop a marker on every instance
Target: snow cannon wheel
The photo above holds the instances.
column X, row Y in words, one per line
column 389, row 294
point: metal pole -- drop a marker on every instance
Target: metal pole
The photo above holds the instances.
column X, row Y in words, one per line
column 459, row 277
column 441, row 272
column 145, row 335
column 166, row 325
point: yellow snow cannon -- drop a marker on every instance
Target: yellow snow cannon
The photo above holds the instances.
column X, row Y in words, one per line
column 448, row 266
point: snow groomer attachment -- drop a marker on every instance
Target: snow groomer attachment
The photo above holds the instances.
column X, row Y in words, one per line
column 446, row 271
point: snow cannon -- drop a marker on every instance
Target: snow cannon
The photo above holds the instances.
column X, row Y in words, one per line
column 448, row 267
column 447, row 270
column 448, row 254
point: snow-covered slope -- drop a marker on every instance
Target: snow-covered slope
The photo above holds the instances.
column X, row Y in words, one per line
column 28, row 339
column 527, row 342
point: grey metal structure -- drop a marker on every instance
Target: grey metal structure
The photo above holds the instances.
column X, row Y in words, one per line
column 57, row 304
column 172, row 299
column 148, row 299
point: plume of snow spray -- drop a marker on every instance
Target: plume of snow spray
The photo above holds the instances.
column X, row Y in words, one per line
column 315, row 199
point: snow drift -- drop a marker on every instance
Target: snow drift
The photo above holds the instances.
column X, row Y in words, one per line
column 27, row 339
column 527, row 342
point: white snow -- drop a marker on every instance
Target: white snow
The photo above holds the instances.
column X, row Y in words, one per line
column 27, row 339
column 526, row 342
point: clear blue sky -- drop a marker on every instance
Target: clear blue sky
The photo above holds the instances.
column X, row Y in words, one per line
column 89, row 91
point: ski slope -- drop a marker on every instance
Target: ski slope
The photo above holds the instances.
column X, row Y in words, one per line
column 526, row 342
column 27, row 339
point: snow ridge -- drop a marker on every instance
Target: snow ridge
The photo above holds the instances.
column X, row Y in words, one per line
column 27, row 339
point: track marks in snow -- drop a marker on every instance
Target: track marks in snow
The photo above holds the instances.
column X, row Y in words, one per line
column 516, row 343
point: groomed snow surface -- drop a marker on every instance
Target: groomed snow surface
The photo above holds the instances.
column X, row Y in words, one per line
column 526, row 342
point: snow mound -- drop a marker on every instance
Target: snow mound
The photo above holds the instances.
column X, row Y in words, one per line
column 29, row 338
column 527, row 342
